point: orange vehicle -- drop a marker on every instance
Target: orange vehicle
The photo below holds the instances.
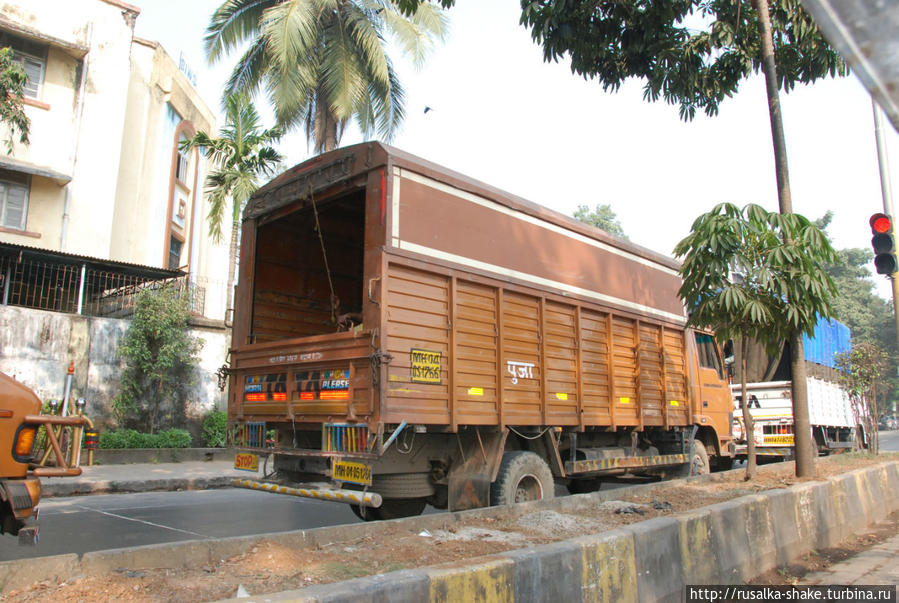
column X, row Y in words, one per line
column 20, row 486
column 405, row 335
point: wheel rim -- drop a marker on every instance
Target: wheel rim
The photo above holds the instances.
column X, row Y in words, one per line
column 528, row 489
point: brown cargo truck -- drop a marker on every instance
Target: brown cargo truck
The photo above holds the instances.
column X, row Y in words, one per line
column 405, row 335
column 20, row 485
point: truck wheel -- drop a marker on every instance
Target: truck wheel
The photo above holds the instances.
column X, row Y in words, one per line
column 584, row 485
column 523, row 476
column 700, row 461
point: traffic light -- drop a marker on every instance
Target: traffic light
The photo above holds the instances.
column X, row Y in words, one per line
column 884, row 244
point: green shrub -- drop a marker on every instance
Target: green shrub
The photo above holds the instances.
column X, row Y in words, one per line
column 215, row 426
column 130, row 438
column 173, row 438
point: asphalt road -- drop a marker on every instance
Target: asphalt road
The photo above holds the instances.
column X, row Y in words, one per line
column 889, row 440
column 93, row 523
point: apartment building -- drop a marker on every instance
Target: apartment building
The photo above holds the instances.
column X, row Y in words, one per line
column 103, row 177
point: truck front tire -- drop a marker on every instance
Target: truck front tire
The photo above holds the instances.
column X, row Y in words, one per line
column 523, row 477
column 699, row 464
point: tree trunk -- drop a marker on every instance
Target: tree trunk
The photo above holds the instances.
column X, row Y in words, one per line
column 325, row 128
column 801, row 426
column 232, row 265
column 749, row 427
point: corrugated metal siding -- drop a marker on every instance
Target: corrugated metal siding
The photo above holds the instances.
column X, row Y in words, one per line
column 830, row 338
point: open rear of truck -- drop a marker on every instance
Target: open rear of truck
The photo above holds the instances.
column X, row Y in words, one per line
column 401, row 329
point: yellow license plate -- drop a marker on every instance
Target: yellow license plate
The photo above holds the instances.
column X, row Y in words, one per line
column 781, row 440
column 354, row 473
column 246, row 461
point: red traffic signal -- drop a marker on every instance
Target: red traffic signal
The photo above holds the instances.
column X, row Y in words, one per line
column 881, row 224
column 885, row 261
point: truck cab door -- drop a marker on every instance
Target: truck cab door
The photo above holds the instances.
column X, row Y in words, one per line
column 715, row 403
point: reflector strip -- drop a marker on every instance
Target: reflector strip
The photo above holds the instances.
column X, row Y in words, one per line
column 335, row 395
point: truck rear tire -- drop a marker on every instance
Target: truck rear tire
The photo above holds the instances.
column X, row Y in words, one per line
column 523, row 477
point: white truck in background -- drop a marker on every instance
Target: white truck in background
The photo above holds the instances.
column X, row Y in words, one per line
column 835, row 419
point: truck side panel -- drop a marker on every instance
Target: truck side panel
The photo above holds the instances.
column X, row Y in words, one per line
column 434, row 220
column 481, row 353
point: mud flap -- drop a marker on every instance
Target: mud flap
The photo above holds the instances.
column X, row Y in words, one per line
column 469, row 481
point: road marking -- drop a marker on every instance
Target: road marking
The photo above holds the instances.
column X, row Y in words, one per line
column 149, row 523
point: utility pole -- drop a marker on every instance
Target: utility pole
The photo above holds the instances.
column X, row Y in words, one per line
column 887, row 191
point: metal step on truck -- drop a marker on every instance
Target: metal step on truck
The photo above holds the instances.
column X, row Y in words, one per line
column 405, row 335
column 834, row 417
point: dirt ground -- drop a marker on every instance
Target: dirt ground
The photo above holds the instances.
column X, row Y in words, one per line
column 270, row 567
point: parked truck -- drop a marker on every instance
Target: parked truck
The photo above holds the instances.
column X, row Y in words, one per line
column 405, row 335
column 20, row 485
column 836, row 420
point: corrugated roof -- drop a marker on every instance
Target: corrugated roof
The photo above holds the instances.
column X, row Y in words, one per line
column 9, row 249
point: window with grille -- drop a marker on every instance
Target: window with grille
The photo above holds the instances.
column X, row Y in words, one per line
column 13, row 201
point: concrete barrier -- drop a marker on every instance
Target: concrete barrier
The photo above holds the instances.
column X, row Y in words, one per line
column 725, row 543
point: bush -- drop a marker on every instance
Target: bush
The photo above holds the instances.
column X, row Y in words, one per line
column 215, row 426
column 130, row 438
column 173, row 438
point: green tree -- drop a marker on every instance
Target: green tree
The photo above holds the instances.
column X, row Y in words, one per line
column 613, row 40
column 240, row 155
column 160, row 357
column 602, row 217
column 755, row 274
column 12, row 96
column 863, row 375
column 691, row 53
column 323, row 62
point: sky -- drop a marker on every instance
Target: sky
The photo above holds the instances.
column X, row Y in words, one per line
column 502, row 115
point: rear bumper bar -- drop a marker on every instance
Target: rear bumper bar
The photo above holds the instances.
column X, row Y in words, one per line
column 350, row 497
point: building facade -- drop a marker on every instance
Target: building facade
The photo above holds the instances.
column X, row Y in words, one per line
column 103, row 175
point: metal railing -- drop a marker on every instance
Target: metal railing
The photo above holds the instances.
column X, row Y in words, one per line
column 82, row 289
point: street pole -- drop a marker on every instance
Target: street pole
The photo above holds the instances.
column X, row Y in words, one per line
column 887, row 192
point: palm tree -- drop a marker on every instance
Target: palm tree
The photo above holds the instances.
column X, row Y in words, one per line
column 240, row 156
column 323, row 62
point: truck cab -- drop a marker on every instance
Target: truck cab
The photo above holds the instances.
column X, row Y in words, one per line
column 20, row 492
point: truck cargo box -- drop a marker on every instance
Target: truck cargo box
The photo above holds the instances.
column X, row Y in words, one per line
column 379, row 291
